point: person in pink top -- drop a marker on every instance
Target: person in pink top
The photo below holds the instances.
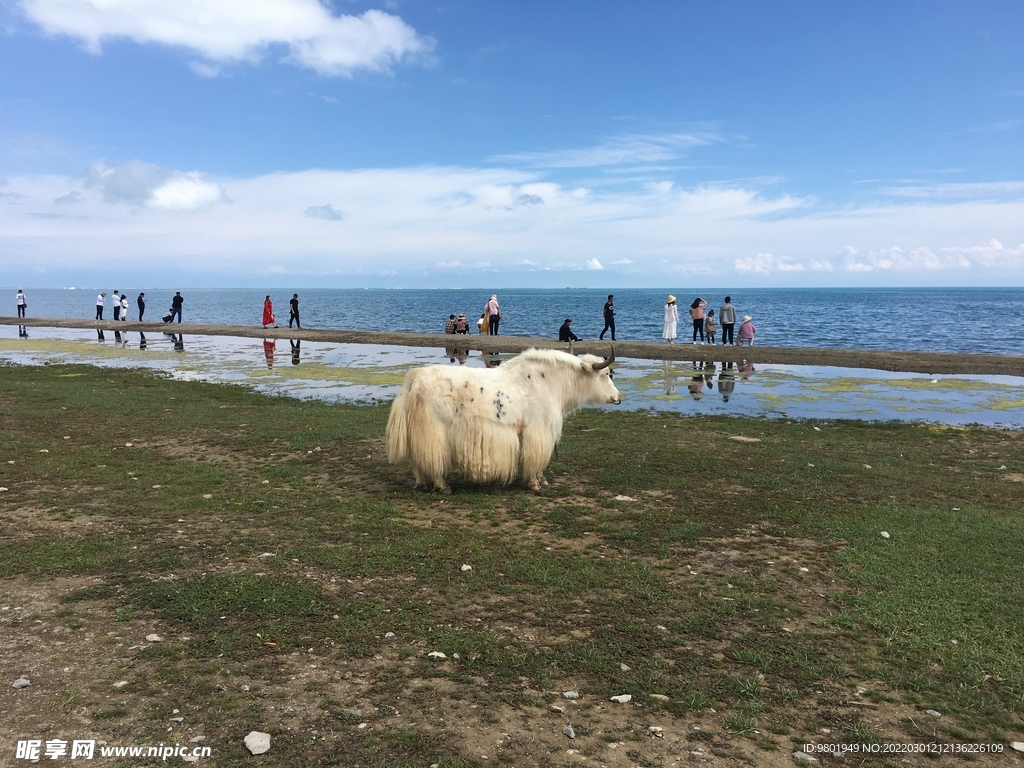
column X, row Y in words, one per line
column 747, row 331
column 697, row 315
column 493, row 312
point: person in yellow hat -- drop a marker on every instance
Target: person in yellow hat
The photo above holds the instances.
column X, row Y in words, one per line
column 671, row 319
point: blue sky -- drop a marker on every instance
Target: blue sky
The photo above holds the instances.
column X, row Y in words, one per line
column 297, row 143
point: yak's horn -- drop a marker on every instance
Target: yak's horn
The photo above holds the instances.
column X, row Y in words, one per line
column 607, row 361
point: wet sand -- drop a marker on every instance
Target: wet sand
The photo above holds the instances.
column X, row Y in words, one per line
column 884, row 360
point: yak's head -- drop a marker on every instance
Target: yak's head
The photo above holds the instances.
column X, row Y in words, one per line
column 601, row 388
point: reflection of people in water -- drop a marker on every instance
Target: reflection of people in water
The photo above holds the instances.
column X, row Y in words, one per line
column 269, row 345
column 696, row 385
column 296, row 350
column 726, row 381
column 23, row 331
column 179, row 342
column 746, row 368
column 118, row 339
column 670, row 376
column 462, row 354
column 451, row 352
column 492, row 361
column 142, row 340
column 99, row 335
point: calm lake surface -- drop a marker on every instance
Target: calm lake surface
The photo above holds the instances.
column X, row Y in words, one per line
column 939, row 319
column 368, row 373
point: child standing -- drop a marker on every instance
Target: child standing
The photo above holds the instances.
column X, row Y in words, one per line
column 709, row 326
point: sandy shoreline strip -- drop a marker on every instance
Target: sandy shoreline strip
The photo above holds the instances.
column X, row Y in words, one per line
column 911, row 362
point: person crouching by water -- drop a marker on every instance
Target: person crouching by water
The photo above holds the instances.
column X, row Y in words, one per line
column 461, row 324
column 747, row 331
column 565, row 332
column 449, row 324
column 268, row 313
column 671, row 319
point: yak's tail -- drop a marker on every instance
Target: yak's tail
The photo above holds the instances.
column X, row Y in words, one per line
column 414, row 434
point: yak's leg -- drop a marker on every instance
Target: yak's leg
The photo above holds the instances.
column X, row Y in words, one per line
column 421, row 480
column 535, row 453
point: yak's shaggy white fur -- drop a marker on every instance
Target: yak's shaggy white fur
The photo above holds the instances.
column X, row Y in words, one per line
column 491, row 425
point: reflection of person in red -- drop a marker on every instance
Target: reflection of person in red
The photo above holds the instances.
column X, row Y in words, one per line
column 746, row 368
column 268, row 313
column 269, row 345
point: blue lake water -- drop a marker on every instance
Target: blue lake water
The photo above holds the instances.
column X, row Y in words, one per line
column 939, row 319
column 367, row 373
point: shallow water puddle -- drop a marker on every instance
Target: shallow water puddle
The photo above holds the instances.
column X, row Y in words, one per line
column 367, row 373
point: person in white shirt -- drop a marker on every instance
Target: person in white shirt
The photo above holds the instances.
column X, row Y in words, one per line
column 99, row 305
column 124, row 307
column 117, row 305
column 21, row 303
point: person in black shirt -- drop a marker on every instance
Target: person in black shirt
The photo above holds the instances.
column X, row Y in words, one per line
column 565, row 332
column 176, row 303
column 609, row 317
column 293, row 314
column 142, row 305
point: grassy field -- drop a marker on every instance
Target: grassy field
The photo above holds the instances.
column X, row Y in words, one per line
column 729, row 574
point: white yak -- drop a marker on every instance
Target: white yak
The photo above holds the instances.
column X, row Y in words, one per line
column 492, row 424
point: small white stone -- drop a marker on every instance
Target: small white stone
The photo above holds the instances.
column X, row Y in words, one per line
column 557, row 709
column 361, row 726
column 127, row 445
column 1017, row 745
column 245, row 687
column 568, row 731
column 817, row 429
column 266, row 482
column 154, row 638
column 663, row 629
column 861, row 690
column 467, row 567
column 257, row 742
column 437, row 655
column 624, row 667
column 158, row 486
column 190, row 758
column 207, row 495
column 21, row 682
column 867, row 466
column 933, row 712
column 120, row 684
column 67, row 437
column 623, row 497
column 802, row 758
column 267, row 554
column 810, row 465
column 196, row 739
column 388, row 635
column 623, row 698
column 570, row 694
column 658, row 697
column 804, row 570
column 2, row 489
column 177, row 719
column 885, row 534
column 655, row 731
column 456, row 656
column 43, row 450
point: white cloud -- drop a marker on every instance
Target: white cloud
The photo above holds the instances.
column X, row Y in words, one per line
column 959, row 190
column 631, row 150
column 229, row 31
column 407, row 221
column 593, row 264
column 139, row 183
column 185, row 192
column 324, row 212
column 765, row 264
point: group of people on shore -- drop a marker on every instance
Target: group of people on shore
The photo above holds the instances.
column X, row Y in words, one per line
column 704, row 324
column 120, row 305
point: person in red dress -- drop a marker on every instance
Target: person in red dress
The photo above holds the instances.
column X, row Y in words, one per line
column 268, row 313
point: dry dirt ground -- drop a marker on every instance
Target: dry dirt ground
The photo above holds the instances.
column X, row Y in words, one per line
column 97, row 677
